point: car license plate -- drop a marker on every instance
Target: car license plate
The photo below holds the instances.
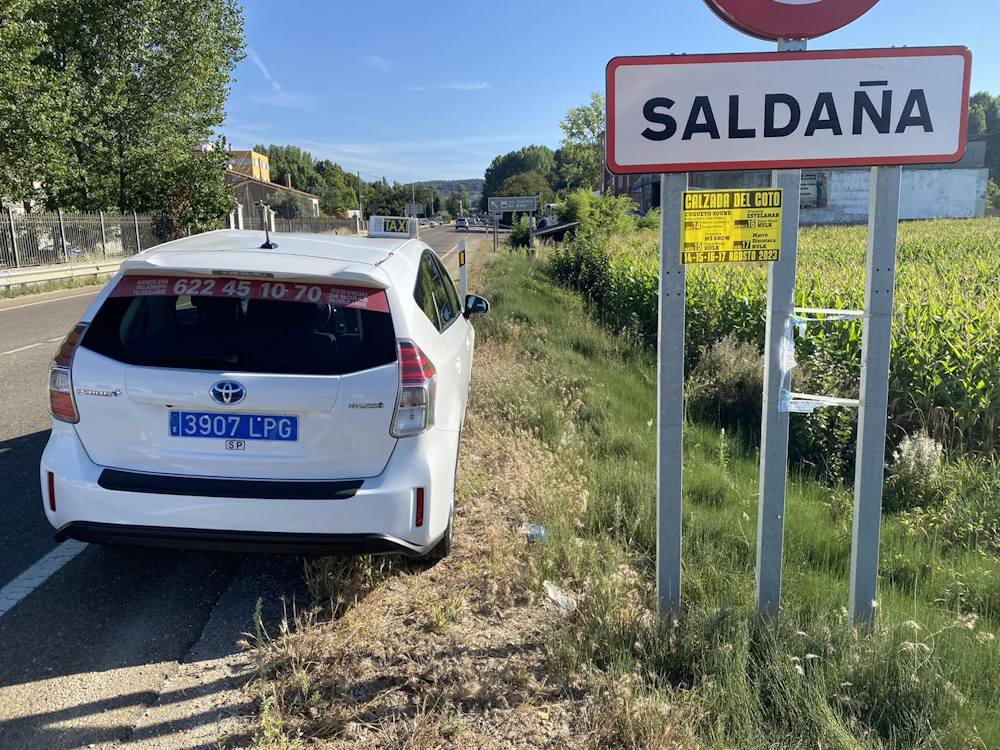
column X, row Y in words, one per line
column 234, row 426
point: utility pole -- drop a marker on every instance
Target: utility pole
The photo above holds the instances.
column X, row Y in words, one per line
column 361, row 200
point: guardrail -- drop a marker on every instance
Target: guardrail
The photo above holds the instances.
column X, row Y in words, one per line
column 21, row 277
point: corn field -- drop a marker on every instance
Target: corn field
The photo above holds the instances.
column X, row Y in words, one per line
column 945, row 367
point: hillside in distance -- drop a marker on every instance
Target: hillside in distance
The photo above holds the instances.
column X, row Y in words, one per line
column 446, row 187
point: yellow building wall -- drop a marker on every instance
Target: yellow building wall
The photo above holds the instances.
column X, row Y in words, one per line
column 251, row 164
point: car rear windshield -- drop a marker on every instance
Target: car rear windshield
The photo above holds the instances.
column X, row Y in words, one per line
column 247, row 333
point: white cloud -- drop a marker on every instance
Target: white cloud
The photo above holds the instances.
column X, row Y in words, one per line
column 379, row 63
column 278, row 96
column 465, row 86
column 454, row 86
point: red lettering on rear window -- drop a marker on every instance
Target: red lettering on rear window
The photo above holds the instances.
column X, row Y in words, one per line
column 283, row 291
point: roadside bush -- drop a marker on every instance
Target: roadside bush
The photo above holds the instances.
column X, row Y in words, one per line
column 650, row 221
column 726, row 386
column 576, row 207
column 520, row 231
column 963, row 510
column 914, row 474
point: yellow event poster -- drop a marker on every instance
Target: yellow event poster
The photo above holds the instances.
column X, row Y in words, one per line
column 731, row 226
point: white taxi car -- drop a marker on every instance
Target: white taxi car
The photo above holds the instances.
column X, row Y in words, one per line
column 305, row 398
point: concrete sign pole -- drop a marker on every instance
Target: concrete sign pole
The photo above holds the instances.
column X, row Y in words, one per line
column 670, row 396
column 880, row 278
column 774, row 423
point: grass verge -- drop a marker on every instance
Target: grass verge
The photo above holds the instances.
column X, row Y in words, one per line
column 472, row 653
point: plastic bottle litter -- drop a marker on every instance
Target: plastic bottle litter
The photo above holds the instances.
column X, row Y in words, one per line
column 535, row 532
column 565, row 601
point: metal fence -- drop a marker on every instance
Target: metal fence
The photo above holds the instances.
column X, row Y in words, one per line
column 48, row 239
column 323, row 225
column 253, row 218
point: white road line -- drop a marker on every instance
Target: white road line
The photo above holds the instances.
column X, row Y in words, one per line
column 37, row 574
column 23, row 348
column 31, row 346
column 46, row 301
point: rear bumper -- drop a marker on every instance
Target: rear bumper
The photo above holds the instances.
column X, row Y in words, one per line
column 375, row 515
column 236, row 541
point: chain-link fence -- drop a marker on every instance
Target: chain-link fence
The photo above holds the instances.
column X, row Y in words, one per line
column 48, row 239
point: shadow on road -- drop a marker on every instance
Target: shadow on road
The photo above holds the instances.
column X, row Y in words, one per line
column 90, row 650
column 25, row 535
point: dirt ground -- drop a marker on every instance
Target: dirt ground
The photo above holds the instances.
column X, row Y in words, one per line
column 413, row 655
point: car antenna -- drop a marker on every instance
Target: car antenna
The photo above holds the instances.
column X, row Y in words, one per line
column 268, row 245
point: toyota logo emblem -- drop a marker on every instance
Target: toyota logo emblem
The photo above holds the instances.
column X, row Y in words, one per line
column 228, row 392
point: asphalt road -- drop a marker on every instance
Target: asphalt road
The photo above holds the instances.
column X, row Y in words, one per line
column 120, row 645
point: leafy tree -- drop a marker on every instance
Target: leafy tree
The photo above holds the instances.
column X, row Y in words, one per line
column 290, row 205
column 582, row 129
column 338, row 190
column 198, row 194
column 538, row 159
column 143, row 84
column 984, row 121
column 292, row 160
column 33, row 120
column 528, row 183
column 463, row 195
column 993, row 194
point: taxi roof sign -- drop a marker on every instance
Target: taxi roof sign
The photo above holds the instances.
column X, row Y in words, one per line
column 393, row 226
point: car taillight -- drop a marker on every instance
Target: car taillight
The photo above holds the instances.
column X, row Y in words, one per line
column 61, row 401
column 417, row 385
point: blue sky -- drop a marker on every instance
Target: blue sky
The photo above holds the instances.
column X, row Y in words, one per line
column 437, row 95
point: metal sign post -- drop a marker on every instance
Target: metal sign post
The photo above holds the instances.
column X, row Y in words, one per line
column 463, row 278
column 670, row 396
column 880, row 278
column 774, row 423
column 673, row 114
column 496, row 231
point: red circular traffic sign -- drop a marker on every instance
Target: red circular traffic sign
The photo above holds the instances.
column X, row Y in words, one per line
column 789, row 19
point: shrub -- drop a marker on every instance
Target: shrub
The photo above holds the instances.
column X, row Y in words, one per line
column 914, row 474
column 727, row 385
column 520, row 231
column 963, row 511
column 651, row 220
column 577, row 206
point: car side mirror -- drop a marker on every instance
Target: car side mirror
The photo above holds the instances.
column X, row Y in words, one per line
column 475, row 306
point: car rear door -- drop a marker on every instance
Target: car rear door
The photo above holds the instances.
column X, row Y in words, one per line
column 242, row 378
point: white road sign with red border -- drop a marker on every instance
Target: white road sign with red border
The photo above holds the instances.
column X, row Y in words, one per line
column 684, row 113
column 789, row 19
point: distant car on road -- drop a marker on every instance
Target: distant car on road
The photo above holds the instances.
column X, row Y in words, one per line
column 461, row 224
column 308, row 399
